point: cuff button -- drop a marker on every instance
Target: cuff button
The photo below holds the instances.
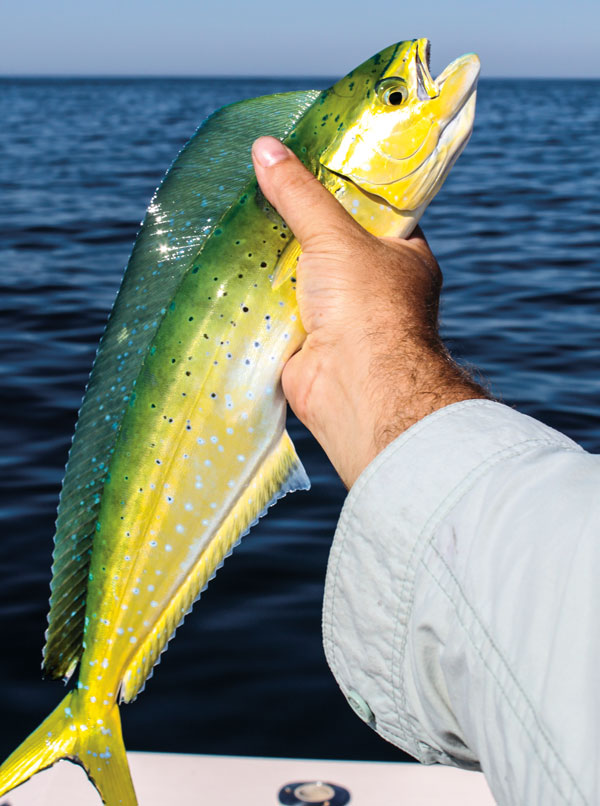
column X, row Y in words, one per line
column 360, row 707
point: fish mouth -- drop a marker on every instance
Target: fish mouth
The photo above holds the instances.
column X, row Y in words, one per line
column 426, row 86
column 463, row 74
column 467, row 67
column 469, row 62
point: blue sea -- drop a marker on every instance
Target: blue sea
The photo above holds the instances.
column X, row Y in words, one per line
column 516, row 229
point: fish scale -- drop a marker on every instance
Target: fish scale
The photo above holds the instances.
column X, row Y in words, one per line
column 180, row 444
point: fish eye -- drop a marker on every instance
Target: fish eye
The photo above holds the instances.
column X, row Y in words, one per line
column 392, row 91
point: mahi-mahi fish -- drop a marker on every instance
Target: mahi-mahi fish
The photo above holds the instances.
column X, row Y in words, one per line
column 180, row 445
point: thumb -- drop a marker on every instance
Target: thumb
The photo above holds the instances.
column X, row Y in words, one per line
column 308, row 209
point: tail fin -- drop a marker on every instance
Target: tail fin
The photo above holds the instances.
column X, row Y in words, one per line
column 82, row 733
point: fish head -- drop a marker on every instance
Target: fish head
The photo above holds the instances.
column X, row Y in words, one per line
column 399, row 132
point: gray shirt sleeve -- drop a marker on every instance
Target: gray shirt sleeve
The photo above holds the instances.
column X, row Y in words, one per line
column 462, row 601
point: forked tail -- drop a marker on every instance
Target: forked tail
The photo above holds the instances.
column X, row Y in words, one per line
column 79, row 731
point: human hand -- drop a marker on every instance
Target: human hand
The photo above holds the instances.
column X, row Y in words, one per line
column 372, row 363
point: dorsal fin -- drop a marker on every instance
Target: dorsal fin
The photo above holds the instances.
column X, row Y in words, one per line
column 206, row 178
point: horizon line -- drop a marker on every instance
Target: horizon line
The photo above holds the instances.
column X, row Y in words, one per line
column 257, row 77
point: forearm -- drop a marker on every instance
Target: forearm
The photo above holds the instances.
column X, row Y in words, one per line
column 356, row 407
column 461, row 597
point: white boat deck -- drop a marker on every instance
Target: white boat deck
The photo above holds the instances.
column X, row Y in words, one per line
column 184, row 780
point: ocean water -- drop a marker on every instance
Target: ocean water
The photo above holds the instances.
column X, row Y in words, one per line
column 516, row 231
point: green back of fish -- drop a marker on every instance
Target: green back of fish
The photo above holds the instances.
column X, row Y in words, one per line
column 204, row 181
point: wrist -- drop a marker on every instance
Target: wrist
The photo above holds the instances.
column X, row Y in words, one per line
column 356, row 404
column 421, row 381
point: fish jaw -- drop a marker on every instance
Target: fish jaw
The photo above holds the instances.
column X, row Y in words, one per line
column 402, row 153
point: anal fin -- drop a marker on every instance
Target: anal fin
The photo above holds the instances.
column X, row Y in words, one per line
column 281, row 472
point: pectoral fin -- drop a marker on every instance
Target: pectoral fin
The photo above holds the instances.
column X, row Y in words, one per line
column 287, row 264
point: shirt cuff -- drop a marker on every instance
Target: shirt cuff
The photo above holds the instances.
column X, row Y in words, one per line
column 387, row 522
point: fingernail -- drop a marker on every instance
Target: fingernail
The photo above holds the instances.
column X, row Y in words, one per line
column 269, row 151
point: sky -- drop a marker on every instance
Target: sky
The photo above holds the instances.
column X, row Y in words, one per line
column 545, row 38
